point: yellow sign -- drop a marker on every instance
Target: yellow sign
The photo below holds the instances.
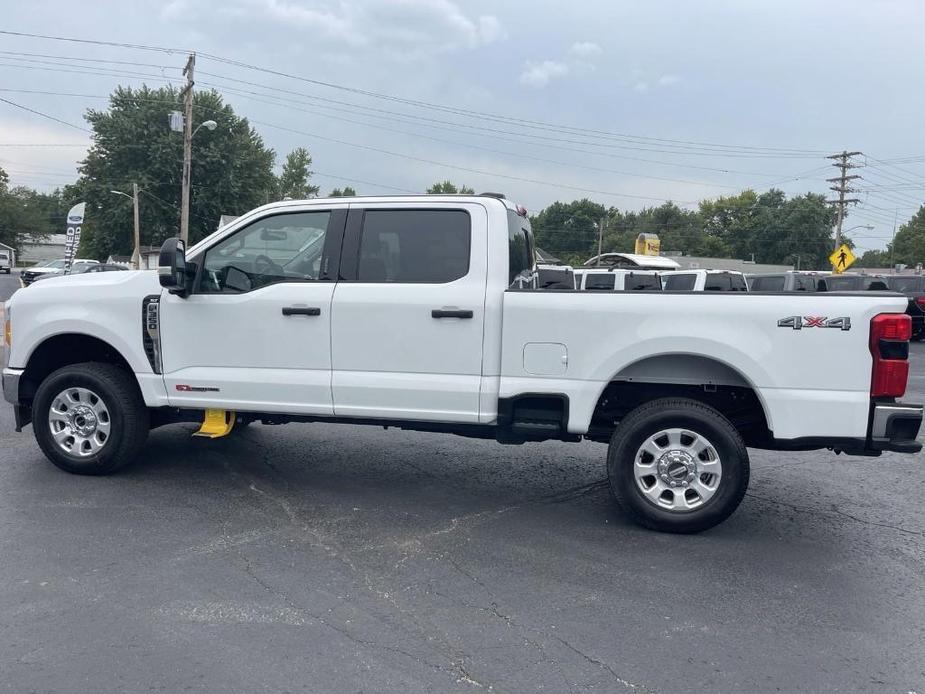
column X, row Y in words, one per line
column 648, row 244
column 841, row 259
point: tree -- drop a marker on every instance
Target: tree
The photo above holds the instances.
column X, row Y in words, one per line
column 909, row 244
column 874, row 258
column 26, row 214
column 294, row 181
column 449, row 188
column 569, row 230
column 232, row 169
column 347, row 192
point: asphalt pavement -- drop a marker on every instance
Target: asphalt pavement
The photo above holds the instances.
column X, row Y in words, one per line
column 330, row 558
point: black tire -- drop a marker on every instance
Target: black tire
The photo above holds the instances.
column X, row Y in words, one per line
column 126, row 411
column 677, row 413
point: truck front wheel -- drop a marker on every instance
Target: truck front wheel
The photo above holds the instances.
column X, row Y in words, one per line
column 677, row 465
column 90, row 419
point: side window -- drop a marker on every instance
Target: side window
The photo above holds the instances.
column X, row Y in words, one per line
column 737, row 283
column 600, row 282
column 414, row 246
column 520, row 253
column 768, row 284
column 681, row 283
column 281, row 248
column 717, row 283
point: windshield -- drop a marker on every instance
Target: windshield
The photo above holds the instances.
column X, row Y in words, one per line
column 53, row 264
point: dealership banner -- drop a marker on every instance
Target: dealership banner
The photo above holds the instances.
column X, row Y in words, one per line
column 75, row 220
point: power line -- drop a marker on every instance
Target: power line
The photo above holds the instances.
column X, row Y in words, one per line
column 44, row 115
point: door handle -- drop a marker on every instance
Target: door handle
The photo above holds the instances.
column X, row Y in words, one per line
column 301, row 311
column 451, row 313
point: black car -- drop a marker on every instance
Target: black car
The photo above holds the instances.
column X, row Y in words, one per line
column 913, row 286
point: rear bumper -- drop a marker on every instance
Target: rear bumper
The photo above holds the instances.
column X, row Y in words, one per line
column 892, row 427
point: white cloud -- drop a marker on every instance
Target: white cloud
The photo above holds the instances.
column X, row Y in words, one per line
column 585, row 49
column 668, row 80
column 408, row 27
column 539, row 74
column 641, row 87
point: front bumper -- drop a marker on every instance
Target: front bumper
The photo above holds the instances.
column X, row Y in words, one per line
column 21, row 412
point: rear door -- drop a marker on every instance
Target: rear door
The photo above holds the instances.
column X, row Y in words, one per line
column 408, row 312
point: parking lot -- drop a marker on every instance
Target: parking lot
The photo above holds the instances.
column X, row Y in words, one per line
column 330, row 558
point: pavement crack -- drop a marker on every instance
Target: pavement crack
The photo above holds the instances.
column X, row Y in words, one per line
column 838, row 512
column 604, row 666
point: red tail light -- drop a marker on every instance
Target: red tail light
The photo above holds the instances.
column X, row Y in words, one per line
column 889, row 345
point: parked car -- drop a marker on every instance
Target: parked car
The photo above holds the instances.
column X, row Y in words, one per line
column 632, row 261
column 6, row 263
column 913, row 286
column 405, row 316
column 704, row 281
column 789, row 281
column 615, row 280
column 81, row 267
column 54, row 267
column 854, row 283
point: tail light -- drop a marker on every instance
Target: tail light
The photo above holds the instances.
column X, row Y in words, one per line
column 889, row 345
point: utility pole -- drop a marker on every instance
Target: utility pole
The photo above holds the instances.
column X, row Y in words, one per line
column 187, row 145
column 843, row 163
column 893, row 242
column 600, row 240
column 136, row 254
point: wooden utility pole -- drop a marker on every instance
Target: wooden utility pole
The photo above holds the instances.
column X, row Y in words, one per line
column 843, row 163
column 136, row 254
column 600, row 239
column 187, row 145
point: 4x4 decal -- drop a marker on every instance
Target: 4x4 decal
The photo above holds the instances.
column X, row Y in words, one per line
column 800, row 322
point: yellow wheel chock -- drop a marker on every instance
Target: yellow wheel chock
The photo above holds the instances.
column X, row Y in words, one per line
column 217, row 423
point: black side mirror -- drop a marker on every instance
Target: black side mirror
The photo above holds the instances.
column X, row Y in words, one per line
column 171, row 266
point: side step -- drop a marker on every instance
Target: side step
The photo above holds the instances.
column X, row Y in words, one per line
column 217, row 423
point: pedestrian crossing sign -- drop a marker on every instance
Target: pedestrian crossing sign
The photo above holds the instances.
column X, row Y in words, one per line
column 841, row 259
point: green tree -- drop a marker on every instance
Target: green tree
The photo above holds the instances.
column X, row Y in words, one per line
column 295, row 180
column 449, row 188
column 232, row 169
column 346, row 192
column 874, row 258
column 569, row 230
column 909, row 244
column 26, row 214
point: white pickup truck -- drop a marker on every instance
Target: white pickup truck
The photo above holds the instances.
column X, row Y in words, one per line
column 421, row 312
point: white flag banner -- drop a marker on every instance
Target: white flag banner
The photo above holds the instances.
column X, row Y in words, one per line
column 75, row 220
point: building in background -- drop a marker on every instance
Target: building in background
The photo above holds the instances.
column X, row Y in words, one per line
column 150, row 255
column 37, row 251
column 693, row 262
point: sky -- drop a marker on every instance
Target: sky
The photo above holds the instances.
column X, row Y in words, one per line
column 626, row 102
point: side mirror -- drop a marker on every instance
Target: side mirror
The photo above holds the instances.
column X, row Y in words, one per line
column 171, row 266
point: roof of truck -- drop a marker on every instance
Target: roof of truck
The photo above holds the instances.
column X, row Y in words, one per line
column 643, row 262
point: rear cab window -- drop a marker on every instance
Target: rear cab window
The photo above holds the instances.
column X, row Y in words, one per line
column 908, row 285
column 642, row 282
column 768, row 284
column 724, row 282
column 521, row 252
column 600, row 282
column 681, row 283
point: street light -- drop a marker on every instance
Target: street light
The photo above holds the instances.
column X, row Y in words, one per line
column 869, row 227
column 136, row 253
column 187, row 160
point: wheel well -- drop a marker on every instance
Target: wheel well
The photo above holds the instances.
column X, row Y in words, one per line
column 62, row 350
column 698, row 378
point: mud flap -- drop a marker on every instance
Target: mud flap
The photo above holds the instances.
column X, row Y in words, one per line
column 217, row 423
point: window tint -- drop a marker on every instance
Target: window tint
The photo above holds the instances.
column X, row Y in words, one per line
column 520, row 252
column 682, row 283
column 907, row 284
column 408, row 246
column 768, row 284
column 282, row 248
column 842, row 284
column 600, row 282
column 636, row 282
column 554, row 278
column 804, row 283
column 737, row 283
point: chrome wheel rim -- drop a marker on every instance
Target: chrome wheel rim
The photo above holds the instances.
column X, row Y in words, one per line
column 79, row 421
column 678, row 470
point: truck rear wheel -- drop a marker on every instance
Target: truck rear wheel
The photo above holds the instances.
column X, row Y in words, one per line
column 90, row 419
column 677, row 465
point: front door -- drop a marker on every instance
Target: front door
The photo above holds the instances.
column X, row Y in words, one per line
column 409, row 311
column 255, row 332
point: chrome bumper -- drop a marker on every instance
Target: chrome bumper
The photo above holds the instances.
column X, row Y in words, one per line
column 11, row 385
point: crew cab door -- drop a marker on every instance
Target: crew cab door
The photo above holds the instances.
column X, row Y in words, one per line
column 409, row 311
column 255, row 331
